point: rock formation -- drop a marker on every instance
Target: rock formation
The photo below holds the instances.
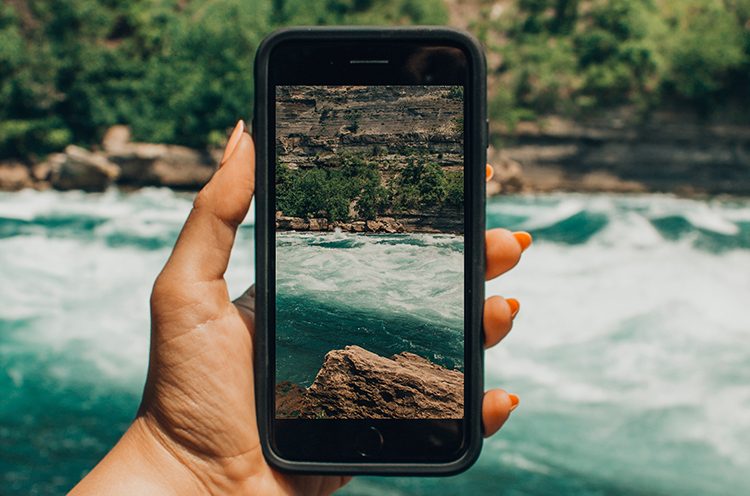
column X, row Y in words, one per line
column 14, row 176
column 316, row 123
column 355, row 383
column 389, row 127
column 146, row 164
column 78, row 168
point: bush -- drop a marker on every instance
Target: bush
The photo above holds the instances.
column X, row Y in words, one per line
column 573, row 58
column 331, row 190
column 176, row 72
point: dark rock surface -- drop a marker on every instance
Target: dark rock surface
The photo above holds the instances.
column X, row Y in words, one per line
column 146, row 164
column 356, row 383
column 78, row 168
column 671, row 152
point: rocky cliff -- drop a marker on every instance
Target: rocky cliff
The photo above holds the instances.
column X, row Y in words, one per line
column 355, row 383
column 315, row 123
column 671, row 152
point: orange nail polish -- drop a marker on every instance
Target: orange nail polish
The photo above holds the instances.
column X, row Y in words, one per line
column 513, row 401
column 490, row 172
column 233, row 140
column 523, row 238
column 514, row 306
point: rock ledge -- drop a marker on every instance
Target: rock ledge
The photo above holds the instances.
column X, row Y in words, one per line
column 354, row 383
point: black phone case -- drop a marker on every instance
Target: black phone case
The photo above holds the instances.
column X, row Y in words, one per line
column 477, row 136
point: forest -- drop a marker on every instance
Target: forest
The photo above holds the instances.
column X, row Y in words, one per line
column 180, row 71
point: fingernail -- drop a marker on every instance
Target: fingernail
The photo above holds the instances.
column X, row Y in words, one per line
column 490, row 172
column 513, row 401
column 523, row 238
column 514, row 306
column 233, row 140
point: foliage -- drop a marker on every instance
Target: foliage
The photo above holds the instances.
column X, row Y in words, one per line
column 574, row 57
column 180, row 71
column 425, row 184
column 176, row 71
column 350, row 180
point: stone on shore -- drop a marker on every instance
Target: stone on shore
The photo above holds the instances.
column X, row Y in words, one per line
column 356, row 383
column 78, row 168
column 146, row 164
column 14, row 176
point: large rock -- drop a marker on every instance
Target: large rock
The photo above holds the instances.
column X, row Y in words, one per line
column 356, row 383
column 290, row 399
column 292, row 223
column 14, row 176
column 145, row 164
column 80, row 169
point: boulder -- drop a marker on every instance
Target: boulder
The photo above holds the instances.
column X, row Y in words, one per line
column 356, row 383
column 42, row 170
column 14, row 176
column 80, row 169
column 508, row 177
column 391, row 225
column 292, row 224
column 318, row 224
column 374, row 226
column 146, row 164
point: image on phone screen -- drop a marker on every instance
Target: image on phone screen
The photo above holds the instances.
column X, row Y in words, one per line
column 369, row 251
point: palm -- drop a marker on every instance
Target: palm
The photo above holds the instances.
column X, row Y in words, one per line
column 200, row 391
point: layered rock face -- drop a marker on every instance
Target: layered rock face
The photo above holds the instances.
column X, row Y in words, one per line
column 314, row 123
column 389, row 126
column 357, row 384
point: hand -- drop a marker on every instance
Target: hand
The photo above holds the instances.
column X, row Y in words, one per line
column 196, row 429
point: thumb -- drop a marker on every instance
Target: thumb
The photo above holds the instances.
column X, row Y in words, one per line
column 202, row 251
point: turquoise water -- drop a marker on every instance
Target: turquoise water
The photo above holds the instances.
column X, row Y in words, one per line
column 631, row 352
column 386, row 293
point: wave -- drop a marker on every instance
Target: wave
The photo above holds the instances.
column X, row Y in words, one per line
column 716, row 225
column 631, row 352
column 386, row 293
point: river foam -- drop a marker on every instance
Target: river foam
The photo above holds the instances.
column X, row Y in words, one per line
column 631, row 351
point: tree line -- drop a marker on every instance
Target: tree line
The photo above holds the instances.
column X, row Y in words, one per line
column 180, row 71
column 368, row 186
column 576, row 57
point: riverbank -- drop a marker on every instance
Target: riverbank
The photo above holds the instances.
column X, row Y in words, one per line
column 671, row 153
column 382, row 225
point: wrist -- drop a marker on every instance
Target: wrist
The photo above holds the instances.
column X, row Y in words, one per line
column 143, row 462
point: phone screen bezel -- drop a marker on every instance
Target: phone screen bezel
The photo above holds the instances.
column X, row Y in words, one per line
column 324, row 60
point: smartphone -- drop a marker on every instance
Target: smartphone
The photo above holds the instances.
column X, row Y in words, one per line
column 370, row 206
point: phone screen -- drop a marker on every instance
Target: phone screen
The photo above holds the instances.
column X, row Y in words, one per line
column 369, row 252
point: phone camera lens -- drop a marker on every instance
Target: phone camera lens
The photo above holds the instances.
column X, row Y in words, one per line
column 368, row 442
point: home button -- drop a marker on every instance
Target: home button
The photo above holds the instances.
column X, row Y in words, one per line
column 368, row 442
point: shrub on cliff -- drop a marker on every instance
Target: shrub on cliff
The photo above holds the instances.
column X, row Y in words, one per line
column 423, row 184
column 331, row 190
